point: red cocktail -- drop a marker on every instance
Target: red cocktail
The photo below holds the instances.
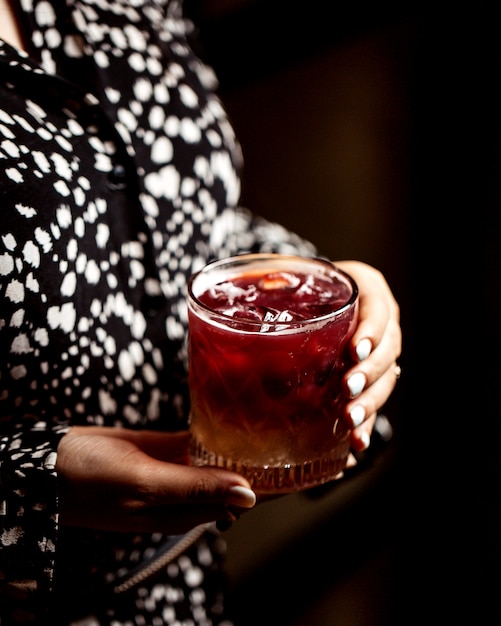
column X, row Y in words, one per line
column 268, row 346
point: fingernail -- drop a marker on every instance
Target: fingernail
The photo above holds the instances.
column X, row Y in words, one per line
column 356, row 384
column 363, row 349
column 357, row 415
column 241, row 496
column 365, row 439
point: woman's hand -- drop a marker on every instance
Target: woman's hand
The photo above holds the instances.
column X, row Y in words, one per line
column 375, row 347
column 126, row 480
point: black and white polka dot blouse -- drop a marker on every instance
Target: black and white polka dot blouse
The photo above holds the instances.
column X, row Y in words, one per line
column 119, row 177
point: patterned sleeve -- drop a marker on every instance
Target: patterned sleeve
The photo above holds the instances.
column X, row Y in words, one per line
column 238, row 231
column 28, row 516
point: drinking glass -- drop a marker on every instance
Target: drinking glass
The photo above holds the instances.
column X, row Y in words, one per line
column 267, row 348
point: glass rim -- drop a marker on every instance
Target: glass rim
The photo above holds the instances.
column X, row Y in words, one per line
column 250, row 326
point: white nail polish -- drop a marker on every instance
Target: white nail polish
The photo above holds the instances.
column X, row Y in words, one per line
column 356, row 384
column 357, row 415
column 363, row 349
column 241, row 496
column 365, row 439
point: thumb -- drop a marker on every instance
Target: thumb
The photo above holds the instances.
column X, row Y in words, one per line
column 188, row 484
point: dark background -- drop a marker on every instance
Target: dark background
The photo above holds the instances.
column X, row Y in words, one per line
column 373, row 129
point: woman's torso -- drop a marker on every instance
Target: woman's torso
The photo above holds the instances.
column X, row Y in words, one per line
column 116, row 162
column 108, row 201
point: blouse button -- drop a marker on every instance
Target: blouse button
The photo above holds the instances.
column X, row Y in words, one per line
column 117, row 177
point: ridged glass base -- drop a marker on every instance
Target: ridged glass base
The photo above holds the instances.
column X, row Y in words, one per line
column 278, row 479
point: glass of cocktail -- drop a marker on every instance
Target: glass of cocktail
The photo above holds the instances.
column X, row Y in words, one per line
column 268, row 346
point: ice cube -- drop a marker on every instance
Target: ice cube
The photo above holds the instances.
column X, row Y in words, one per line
column 269, row 316
column 273, row 315
column 285, row 316
column 312, row 287
column 231, row 293
column 251, row 314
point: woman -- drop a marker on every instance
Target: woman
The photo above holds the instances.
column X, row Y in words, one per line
column 119, row 177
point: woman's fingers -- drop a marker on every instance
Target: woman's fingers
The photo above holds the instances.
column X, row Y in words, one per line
column 379, row 314
column 375, row 348
column 111, row 482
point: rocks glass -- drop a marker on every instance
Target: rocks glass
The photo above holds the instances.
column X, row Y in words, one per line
column 268, row 346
